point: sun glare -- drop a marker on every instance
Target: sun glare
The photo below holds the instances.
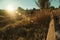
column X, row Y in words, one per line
column 10, row 8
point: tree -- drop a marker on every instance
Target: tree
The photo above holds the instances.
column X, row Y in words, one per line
column 43, row 3
column 59, row 6
column 52, row 7
column 33, row 10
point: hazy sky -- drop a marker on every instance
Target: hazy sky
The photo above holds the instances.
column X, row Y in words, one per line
column 55, row 3
column 24, row 3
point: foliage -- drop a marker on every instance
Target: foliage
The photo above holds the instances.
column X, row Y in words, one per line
column 43, row 4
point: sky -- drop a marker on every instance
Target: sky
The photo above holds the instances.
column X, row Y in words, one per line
column 55, row 3
column 26, row 4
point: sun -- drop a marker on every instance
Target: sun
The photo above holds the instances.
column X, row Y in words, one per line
column 10, row 11
column 10, row 8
